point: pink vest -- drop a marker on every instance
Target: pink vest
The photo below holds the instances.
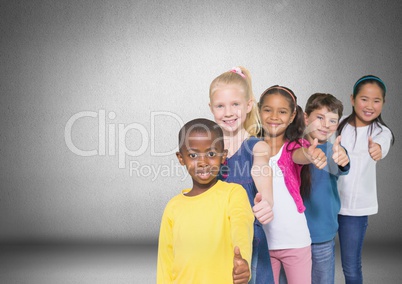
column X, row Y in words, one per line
column 291, row 171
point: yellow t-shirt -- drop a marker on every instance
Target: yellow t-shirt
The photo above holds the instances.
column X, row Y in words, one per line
column 198, row 235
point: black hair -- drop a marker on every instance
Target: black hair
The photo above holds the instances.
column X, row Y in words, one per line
column 201, row 125
column 294, row 132
column 351, row 119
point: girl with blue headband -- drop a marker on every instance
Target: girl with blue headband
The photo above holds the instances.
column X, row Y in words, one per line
column 367, row 139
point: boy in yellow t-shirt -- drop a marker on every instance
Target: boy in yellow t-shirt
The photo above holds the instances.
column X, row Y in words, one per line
column 206, row 232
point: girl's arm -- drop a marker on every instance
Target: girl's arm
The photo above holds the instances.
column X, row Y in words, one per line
column 262, row 177
column 310, row 155
column 379, row 145
column 374, row 150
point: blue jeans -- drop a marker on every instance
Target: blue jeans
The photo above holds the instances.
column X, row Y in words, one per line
column 282, row 277
column 261, row 270
column 351, row 232
column 323, row 257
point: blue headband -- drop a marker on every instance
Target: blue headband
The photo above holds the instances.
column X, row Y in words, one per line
column 369, row 78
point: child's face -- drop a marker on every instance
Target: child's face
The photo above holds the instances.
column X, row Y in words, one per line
column 202, row 155
column 321, row 124
column 276, row 115
column 367, row 104
column 230, row 108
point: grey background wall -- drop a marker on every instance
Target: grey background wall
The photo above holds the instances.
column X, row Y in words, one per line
column 94, row 92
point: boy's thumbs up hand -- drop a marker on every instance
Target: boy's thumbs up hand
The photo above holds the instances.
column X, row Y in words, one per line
column 339, row 154
column 241, row 270
column 374, row 149
column 262, row 209
column 316, row 155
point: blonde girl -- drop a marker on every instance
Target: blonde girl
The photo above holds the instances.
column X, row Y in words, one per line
column 233, row 106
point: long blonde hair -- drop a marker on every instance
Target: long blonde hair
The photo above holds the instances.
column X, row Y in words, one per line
column 240, row 76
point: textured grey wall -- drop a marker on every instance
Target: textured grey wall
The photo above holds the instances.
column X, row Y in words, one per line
column 94, row 92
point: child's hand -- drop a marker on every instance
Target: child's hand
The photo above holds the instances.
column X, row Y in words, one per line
column 241, row 271
column 316, row 155
column 374, row 150
column 339, row 154
column 262, row 210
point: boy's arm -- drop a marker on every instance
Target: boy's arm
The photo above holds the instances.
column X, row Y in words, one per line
column 165, row 251
column 344, row 170
column 241, row 270
column 241, row 222
column 339, row 155
column 262, row 177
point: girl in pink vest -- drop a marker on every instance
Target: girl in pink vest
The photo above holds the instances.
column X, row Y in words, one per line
column 288, row 234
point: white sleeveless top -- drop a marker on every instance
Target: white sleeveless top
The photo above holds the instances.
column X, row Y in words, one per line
column 289, row 228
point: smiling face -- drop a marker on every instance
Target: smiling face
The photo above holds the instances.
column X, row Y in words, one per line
column 229, row 107
column 276, row 115
column 367, row 104
column 202, row 154
column 321, row 124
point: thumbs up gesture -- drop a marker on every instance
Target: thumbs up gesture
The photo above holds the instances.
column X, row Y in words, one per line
column 316, row 155
column 374, row 149
column 241, row 270
column 339, row 154
column 262, row 209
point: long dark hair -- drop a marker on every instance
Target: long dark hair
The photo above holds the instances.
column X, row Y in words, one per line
column 351, row 119
column 294, row 132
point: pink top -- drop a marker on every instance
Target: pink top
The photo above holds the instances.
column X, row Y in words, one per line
column 291, row 171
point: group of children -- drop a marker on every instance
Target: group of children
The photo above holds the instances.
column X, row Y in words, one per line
column 269, row 188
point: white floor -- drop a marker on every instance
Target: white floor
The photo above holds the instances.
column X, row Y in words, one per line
column 137, row 264
column 382, row 264
column 78, row 264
